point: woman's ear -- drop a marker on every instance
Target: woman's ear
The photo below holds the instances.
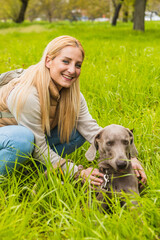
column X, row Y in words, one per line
column 48, row 62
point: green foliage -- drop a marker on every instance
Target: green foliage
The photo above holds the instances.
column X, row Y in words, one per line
column 50, row 10
column 121, row 82
column 10, row 9
column 153, row 5
column 96, row 8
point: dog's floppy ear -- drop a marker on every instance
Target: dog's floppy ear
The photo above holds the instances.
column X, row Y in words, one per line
column 133, row 150
column 91, row 153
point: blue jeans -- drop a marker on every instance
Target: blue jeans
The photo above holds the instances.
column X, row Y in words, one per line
column 17, row 144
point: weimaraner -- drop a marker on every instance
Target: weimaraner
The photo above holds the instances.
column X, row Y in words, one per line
column 115, row 144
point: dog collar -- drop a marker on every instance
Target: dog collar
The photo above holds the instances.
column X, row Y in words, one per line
column 106, row 181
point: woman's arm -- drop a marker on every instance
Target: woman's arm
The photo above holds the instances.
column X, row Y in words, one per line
column 86, row 125
column 88, row 128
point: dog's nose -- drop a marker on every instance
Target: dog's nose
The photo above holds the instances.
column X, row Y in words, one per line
column 121, row 164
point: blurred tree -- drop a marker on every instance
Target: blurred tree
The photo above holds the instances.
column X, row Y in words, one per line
column 139, row 13
column 33, row 10
column 74, row 9
column 52, row 9
column 10, row 9
column 117, row 7
column 153, row 6
column 70, row 9
column 125, row 11
column 128, row 10
column 14, row 10
column 97, row 8
column 48, row 7
column 21, row 15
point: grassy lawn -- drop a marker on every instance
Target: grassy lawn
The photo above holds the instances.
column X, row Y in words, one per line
column 121, row 82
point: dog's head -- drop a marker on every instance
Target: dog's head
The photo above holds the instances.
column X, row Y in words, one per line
column 115, row 144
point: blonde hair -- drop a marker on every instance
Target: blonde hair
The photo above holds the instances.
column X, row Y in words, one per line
column 38, row 75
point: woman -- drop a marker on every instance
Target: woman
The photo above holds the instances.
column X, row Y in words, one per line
column 47, row 105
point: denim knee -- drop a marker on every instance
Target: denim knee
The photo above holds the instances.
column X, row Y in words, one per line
column 16, row 144
column 17, row 137
column 26, row 140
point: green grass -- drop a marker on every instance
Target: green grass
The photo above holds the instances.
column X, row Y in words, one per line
column 121, row 82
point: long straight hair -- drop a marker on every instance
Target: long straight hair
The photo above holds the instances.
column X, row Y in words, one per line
column 38, row 75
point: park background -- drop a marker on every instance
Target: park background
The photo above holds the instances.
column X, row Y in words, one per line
column 120, row 80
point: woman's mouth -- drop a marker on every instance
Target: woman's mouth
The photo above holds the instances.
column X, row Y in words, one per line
column 68, row 78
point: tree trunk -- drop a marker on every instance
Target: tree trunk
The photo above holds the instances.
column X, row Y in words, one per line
column 125, row 16
column 139, row 13
column 23, row 9
column 125, row 13
column 49, row 16
column 116, row 12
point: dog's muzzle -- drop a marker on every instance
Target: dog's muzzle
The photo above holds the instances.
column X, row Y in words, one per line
column 121, row 164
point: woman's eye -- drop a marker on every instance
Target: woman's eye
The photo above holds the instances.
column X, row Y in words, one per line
column 65, row 61
column 78, row 65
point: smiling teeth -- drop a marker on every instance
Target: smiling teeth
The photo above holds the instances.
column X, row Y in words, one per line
column 70, row 78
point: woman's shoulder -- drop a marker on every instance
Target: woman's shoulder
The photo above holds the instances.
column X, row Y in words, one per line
column 82, row 97
column 33, row 92
column 31, row 99
column 33, row 95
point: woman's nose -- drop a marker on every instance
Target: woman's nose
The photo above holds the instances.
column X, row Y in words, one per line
column 71, row 69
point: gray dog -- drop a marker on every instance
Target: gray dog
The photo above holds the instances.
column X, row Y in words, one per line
column 116, row 147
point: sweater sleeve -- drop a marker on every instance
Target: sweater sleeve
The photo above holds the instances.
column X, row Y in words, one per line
column 86, row 125
column 30, row 117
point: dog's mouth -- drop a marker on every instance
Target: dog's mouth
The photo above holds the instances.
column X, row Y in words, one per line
column 105, row 165
column 121, row 170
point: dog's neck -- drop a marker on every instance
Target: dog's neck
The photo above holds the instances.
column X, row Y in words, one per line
column 114, row 179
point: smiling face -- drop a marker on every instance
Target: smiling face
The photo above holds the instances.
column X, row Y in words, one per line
column 65, row 68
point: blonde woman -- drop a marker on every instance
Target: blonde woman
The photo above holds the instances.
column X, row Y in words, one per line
column 44, row 105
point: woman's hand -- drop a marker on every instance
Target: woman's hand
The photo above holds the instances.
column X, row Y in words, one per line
column 139, row 171
column 92, row 174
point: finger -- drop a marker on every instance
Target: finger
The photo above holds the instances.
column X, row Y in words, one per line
column 97, row 173
column 141, row 184
column 142, row 174
column 137, row 172
column 95, row 179
column 95, row 183
column 143, row 177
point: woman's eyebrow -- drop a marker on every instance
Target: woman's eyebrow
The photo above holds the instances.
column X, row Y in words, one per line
column 71, row 59
column 67, row 57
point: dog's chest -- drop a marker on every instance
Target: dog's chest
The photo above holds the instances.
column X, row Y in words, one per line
column 117, row 183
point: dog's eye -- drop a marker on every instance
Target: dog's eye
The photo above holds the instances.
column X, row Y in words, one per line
column 125, row 142
column 110, row 143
